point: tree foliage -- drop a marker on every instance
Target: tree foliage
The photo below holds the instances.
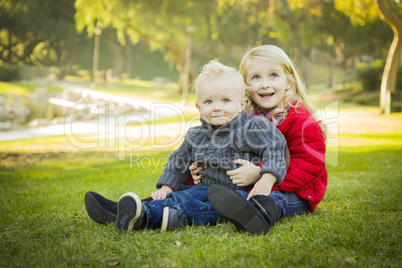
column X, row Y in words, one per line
column 39, row 33
column 45, row 32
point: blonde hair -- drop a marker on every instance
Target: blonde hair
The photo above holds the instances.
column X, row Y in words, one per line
column 297, row 92
column 213, row 69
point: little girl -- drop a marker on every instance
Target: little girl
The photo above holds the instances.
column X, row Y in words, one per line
column 278, row 95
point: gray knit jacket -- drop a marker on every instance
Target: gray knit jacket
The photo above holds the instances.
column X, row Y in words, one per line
column 254, row 139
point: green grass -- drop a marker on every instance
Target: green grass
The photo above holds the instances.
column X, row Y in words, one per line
column 23, row 88
column 44, row 222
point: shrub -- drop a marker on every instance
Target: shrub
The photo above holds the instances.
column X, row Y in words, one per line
column 370, row 78
column 398, row 85
column 8, row 73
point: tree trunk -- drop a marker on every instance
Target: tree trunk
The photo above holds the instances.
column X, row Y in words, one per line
column 9, row 46
column 118, row 58
column 307, row 68
column 129, row 48
column 389, row 14
column 331, row 72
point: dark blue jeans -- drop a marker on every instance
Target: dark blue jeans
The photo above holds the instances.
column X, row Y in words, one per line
column 289, row 204
column 192, row 203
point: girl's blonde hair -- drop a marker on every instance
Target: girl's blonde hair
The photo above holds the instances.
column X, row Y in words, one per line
column 298, row 90
column 214, row 68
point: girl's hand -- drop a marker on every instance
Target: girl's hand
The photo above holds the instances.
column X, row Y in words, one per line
column 263, row 186
column 194, row 170
column 246, row 175
column 161, row 193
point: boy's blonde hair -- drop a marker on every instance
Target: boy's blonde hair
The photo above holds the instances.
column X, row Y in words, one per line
column 297, row 92
column 214, row 68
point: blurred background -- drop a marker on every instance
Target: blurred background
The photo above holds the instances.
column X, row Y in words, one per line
column 94, row 96
column 49, row 49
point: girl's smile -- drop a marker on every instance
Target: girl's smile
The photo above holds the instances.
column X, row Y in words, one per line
column 266, row 95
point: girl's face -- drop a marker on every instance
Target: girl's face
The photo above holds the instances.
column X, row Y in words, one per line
column 268, row 82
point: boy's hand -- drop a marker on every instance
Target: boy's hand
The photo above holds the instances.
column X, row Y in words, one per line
column 246, row 175
column 161, row 193
column 194, row 170
column 263, row 186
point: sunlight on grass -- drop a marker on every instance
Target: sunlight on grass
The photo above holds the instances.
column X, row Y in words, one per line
column 22, row 88
column 13, row 88
column 44, row 222
column 148, row 84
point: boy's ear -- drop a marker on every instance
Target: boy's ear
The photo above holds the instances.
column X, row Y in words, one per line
column 197, row 106
column 243, row 104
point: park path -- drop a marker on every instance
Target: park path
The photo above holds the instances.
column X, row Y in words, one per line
column 368, row 121
column 150, row 109
column 342, row 121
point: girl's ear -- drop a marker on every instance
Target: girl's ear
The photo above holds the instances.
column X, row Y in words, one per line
column 197, row 106
column 291, row 81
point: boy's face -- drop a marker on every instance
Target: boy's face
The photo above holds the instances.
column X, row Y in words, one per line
column 220, row 99
column 268, row 82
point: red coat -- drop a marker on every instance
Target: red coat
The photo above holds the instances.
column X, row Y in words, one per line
column 307, row 175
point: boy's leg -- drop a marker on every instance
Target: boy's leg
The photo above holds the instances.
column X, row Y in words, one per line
column 155, row 208
column 197, row 212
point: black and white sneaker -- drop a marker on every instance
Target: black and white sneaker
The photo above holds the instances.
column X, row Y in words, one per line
column 130, row 213
column 171, row 220
column 100, row 209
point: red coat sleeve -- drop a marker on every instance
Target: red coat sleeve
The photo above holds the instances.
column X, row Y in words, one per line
column 306, row 145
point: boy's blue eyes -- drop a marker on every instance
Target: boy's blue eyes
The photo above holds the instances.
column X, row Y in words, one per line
column 210, row 102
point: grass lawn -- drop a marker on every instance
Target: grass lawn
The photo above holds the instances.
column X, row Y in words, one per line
column 44, row 222
column 23, row 88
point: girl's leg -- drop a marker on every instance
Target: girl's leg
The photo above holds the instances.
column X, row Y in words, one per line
column 289, row 204
column 260, row 213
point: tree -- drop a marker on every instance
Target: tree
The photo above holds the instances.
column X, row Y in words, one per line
column 361, row 11
column 390, row 12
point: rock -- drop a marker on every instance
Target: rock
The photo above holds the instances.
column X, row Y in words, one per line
column 40, row 122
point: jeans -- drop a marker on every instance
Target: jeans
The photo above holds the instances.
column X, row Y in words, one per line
column 289, row 204
column 192, row 203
